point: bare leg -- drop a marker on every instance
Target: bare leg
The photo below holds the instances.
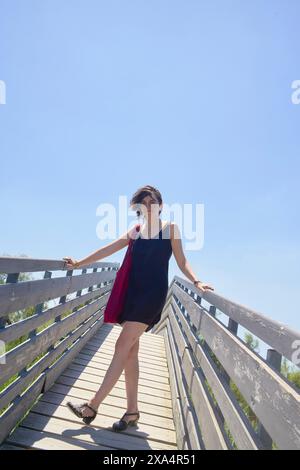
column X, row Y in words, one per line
column 129, row 335
column 131, row 370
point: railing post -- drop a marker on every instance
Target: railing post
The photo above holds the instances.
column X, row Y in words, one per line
column 233, row 328
column 274, row 359
column 78, row 293
column 39, row 308
column 63, row 298
column 212, row 310
column 109, row 269
column 11, row 278
column 90, row 289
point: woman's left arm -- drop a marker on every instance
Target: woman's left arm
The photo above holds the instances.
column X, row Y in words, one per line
column 181, row 260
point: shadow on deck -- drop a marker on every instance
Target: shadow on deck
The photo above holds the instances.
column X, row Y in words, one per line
column 50, row 425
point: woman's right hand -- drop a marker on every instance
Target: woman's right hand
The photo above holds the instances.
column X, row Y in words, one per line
column 70, row 263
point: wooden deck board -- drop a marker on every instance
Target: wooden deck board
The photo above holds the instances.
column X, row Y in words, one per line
column 117, row 392
column 144, row 385
column 51, row 425
column 104, row 362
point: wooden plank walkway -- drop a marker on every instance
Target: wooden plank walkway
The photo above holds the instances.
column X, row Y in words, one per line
column 50, row 425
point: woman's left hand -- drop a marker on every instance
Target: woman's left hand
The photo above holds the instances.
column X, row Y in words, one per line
column 202, row 286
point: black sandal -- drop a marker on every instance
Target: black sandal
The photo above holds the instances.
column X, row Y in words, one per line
column 77, row 410
column 122, row 424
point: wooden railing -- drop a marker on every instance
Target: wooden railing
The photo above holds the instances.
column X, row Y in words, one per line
column 214, row 374
column 48, row 339
column 224, row 394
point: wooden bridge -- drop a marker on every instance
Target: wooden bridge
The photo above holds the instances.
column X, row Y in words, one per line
column 201, row 386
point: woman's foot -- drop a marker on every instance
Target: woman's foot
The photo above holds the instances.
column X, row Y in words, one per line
column 84, row 411
column 131, row 416
column 128, row 419
column 90, row 409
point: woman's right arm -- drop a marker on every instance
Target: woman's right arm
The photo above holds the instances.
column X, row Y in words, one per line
column 103, row 252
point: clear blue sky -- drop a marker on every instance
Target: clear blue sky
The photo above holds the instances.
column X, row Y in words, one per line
column 193, row 97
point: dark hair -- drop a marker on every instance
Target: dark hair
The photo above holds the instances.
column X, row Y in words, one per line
column 143, row 192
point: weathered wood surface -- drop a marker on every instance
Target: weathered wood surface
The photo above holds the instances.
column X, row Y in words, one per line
column 24, row 265
column 21, row 403
column 274, row 400
column 34, row 364
column 16, row 330
column 273, row 333
column 242, row 431
column 19, row 357
column 50, row 425
column 186, row 368
column 17, row 296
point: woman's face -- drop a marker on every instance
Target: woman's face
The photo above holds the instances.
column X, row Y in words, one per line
column 150, row 207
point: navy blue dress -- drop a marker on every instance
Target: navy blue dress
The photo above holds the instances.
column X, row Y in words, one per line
column 148, row 278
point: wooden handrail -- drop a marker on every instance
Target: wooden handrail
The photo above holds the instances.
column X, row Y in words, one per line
column 48, row 339
column 211, row 362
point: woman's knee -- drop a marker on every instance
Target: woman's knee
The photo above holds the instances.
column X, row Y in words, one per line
column 134, row 350
column 131, row 333
column 124, row 343
column 128, row 341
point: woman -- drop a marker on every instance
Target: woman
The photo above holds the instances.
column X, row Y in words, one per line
column 145, row 298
